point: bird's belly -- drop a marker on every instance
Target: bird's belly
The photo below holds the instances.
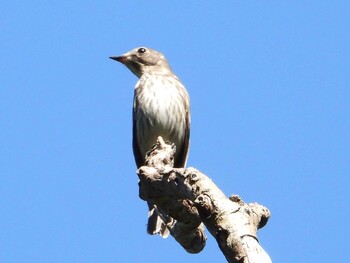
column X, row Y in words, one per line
column 160, row 119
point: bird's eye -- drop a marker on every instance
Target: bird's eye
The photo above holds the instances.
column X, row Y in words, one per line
column 141, row 50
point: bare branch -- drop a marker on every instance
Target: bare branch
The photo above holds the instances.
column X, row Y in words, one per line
column 188, row 199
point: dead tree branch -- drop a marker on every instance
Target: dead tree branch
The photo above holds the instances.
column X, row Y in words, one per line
column 188, row 199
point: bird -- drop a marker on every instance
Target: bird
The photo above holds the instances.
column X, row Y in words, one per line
column 161, row 107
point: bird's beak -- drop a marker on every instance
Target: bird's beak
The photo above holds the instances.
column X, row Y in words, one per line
column 121, row 59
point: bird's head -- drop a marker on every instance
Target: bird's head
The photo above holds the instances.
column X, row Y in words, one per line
column 143, row 60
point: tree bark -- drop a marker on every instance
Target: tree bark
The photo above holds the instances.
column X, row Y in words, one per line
column 187, row 199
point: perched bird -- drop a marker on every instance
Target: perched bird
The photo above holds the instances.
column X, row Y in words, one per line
column 161, row 108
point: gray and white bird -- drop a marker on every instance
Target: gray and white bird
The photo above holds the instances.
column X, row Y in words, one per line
column 161, row 108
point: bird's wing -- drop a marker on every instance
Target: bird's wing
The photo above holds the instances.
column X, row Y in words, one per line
column 139, row 159
column 183, row 151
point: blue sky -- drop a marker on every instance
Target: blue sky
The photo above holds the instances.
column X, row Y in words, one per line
column 269, row 86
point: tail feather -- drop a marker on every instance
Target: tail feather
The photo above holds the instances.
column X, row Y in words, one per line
column 155, row 223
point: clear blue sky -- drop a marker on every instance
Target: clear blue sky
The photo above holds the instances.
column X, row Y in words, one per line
column 269, row 86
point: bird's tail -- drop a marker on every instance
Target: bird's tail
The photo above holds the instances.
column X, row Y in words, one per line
column 156, row 224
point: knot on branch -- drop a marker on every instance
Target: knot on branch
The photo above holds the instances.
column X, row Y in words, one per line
column 204, row 205
column 262, row 214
